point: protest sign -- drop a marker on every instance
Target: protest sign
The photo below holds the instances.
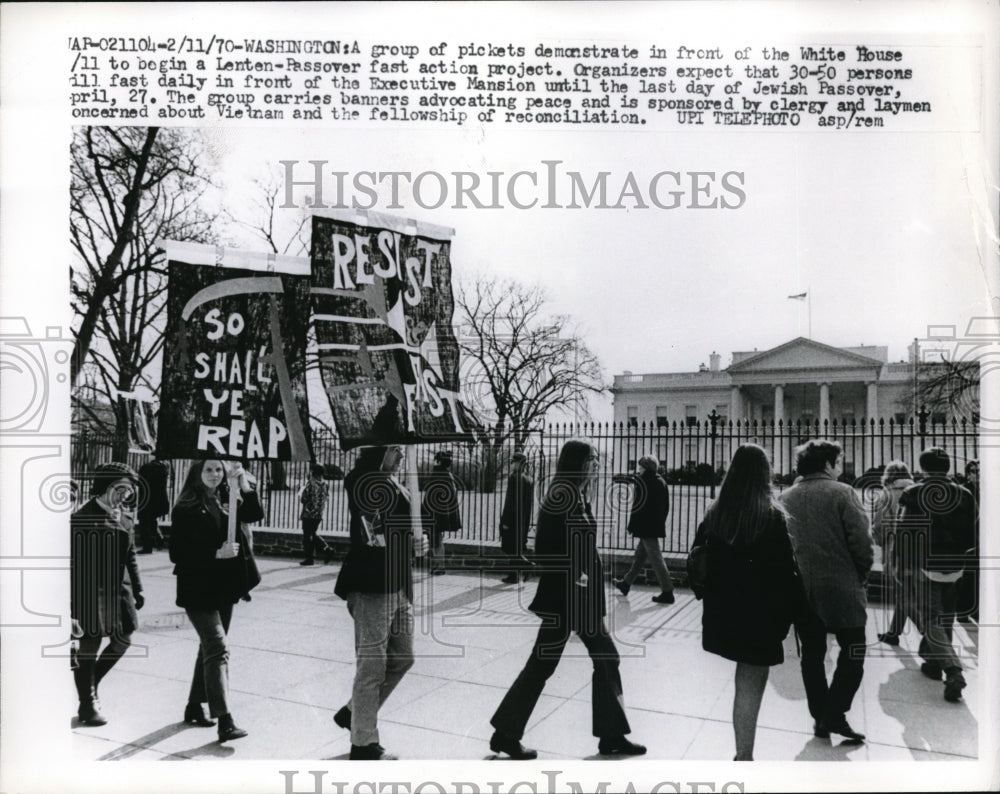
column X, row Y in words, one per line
column 233, row 382
column 382, row 309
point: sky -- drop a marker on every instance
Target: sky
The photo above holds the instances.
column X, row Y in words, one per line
column 881, row 230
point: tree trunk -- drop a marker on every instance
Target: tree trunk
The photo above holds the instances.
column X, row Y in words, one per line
column 106, row 280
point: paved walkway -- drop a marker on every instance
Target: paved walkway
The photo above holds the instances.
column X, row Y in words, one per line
column 292, row 661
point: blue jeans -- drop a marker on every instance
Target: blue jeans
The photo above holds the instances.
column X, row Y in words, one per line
column 211, row 669
column 383, row 644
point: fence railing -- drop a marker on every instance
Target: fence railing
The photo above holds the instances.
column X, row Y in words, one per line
column 693, row 458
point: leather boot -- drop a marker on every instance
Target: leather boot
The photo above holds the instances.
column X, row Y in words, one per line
column 86, row 690
column 228, row 729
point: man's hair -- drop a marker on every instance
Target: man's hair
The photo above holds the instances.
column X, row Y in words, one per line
column 316, row 470
column 649, row 463
column 812, row 457
column 934, row 460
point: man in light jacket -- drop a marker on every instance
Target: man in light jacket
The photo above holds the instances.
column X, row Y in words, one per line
column 834, row 551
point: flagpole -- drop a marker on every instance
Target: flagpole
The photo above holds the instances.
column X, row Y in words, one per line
column 809, row 309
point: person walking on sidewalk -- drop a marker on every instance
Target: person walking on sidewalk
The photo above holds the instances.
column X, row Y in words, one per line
column 968, row 585
column 895, row 479
column 376, row 580
column 102, row 549
column 313, row 501
column 515, row 519
column 570, row 598
column 154, row 476
column 647, row 523
column 937, row 530
column 212, row 575
column 752, row 591
column 440, row 508
column 834, row 551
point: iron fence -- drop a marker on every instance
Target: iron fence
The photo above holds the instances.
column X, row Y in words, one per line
column 693, row 456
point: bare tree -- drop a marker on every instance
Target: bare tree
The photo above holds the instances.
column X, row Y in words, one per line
column 129, row 188
column 949, row 388
column 262, row 220
column 521, row 363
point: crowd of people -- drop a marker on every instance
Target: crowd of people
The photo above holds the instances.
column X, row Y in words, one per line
column 761, row 562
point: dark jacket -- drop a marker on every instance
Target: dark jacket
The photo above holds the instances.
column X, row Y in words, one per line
column 153, row 498
column 196, row 533
column 751, row 595
column 565, row 547
column 946, row 514
column 440, row 510
column 515, row 520
column 381, row 536
column 101, row 549
column 650, row 505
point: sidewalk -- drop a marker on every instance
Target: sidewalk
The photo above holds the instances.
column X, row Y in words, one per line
column 292, row 663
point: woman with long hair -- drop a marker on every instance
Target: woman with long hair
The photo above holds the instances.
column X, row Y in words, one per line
column 212, row 575
column 752, row 589
column 570, row 598
column 895, row 479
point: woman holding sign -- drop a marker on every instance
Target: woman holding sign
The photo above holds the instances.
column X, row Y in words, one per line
column 215, row 568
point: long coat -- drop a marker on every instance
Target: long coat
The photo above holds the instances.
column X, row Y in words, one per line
column 565, row 547
column 101, row 549
column 381, row 536
column 650, row 505
column 196, row 533
column 751, row 595
column 515, row 520
column 833, row 547
column 440, row 502
column 154, row 502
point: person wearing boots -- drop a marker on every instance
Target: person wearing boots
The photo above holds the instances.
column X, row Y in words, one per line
column 101, row 549
column 834, row 549
column 515, row 519
column 647, row 524
column 440, row 508
column 376, row 580
column 569, row 599
column 313, row 500
column 212, row 575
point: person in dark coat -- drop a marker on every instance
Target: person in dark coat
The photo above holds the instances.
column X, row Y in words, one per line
column 313, row 501
column 515, row 518
column 212, row 575
column 154, row 476
column 440, row 508
column 101, row 605
column 648, row 523
column 376, row 580
column 968, row 585
column 834, row 551
column 937, row 532
column 752, row 588
column 569, row 598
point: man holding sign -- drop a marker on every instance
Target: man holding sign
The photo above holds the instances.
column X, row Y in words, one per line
column 376, row 580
